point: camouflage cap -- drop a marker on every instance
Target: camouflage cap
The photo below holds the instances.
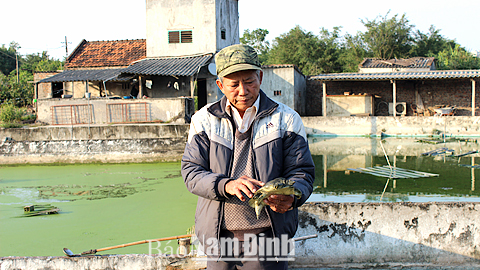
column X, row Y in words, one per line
column 236, row 58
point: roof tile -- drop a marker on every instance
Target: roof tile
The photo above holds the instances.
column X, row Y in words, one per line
column 114, row 53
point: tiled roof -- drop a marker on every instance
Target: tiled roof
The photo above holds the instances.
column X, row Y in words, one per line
column 426, row 75
column 176, row 66
column 72, row 75
column 113, row 53
column 414, row 62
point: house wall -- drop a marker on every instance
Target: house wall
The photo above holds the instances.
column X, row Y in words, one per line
column 454, row 92
column 213, row 92
column 96, row 89
column 205, row 18
column 174, row 110
column 164, row 87
column 280, row 79
column 44, row 90
column 300, row 92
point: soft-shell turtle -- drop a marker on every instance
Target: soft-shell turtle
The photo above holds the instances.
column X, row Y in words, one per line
column 278, row 185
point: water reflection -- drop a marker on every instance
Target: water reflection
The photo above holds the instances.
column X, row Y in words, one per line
column 335, row 182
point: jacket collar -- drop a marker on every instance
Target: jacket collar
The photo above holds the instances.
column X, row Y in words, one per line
column 267, row 106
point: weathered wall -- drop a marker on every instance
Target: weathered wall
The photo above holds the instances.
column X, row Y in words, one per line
column 389, row 233
column 347, row 105
column 350, row 235
column 82, row 144
column 175, row 110
column 118, row 262
column 205, row 18
column 455, row 92
column 279, row 79
column 44, row 90
column 393, row 126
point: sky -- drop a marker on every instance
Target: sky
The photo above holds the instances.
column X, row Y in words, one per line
column 43, row 25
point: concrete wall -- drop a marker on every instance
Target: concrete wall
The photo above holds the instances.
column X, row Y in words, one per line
column 175, row 110
column 347, row 105
column 83, row 144
column 44, row 90
column 289, row 81
column 206, row 18
column 389, row 234
column 118, row 262
column 350, row 235
column 393, row 126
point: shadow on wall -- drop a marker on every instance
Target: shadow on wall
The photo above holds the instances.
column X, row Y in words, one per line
column 374, row 233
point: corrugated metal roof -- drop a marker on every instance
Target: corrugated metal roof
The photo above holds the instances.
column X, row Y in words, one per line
column 427, row 75
column 414, row 62
column 88, row 75
column 179, row 66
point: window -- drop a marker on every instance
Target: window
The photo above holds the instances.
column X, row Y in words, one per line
column 185, row 36
column 277, row 93
column 223, row 34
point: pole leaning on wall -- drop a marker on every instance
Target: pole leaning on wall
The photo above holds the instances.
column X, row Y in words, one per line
column 473, row 97
column 324, row 99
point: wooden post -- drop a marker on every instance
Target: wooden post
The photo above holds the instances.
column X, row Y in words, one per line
column 324, row 99
column 140, row 87
column 394, row 97
column 325, row 172
column 473, row 97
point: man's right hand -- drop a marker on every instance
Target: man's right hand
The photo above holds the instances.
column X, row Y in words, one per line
column 243, row 184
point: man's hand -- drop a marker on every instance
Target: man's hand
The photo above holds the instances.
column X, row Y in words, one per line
column 280, row 203
column 243, row 184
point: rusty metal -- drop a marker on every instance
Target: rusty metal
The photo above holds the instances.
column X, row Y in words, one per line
column 134, row 112
column 71, row 114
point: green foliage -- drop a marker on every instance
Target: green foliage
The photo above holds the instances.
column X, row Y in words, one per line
column 18, row 89
column 10, row 115
column 257, row 39
column 7, row 57
column 297, row 47
column 430, row 44
column 385, row 37
column 457, row 58
column 388, row 38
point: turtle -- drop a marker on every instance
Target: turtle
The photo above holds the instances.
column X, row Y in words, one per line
column 278, row 185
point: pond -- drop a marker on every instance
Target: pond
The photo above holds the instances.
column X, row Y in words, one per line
column 335, row 181
column 101, row 206
column 104, row 205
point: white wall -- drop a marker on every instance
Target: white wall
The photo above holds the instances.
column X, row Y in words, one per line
column 205, row 18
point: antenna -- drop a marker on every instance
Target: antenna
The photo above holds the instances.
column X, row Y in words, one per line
column 66, row 47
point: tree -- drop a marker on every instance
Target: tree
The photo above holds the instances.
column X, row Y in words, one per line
column 297, row 47
column 388, row 38
column 7, row 57
column 430, row 44
column 257, row 39
column 457, row 58
column 353, row 53
column 40, row 62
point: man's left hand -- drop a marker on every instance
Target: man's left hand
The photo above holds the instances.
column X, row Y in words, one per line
column 280, row 203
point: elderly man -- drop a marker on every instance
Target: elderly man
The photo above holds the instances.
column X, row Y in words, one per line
column 234, row 147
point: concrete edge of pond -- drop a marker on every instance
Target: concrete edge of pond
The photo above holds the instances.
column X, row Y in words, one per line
column 437, row 233
column 433, row 235
column 159, row 262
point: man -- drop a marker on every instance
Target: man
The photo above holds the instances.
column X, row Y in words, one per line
column 234, row 147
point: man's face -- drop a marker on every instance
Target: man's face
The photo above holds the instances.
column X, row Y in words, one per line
column 241, row 88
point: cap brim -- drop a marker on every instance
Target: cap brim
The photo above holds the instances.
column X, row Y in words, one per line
column 236, row 68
